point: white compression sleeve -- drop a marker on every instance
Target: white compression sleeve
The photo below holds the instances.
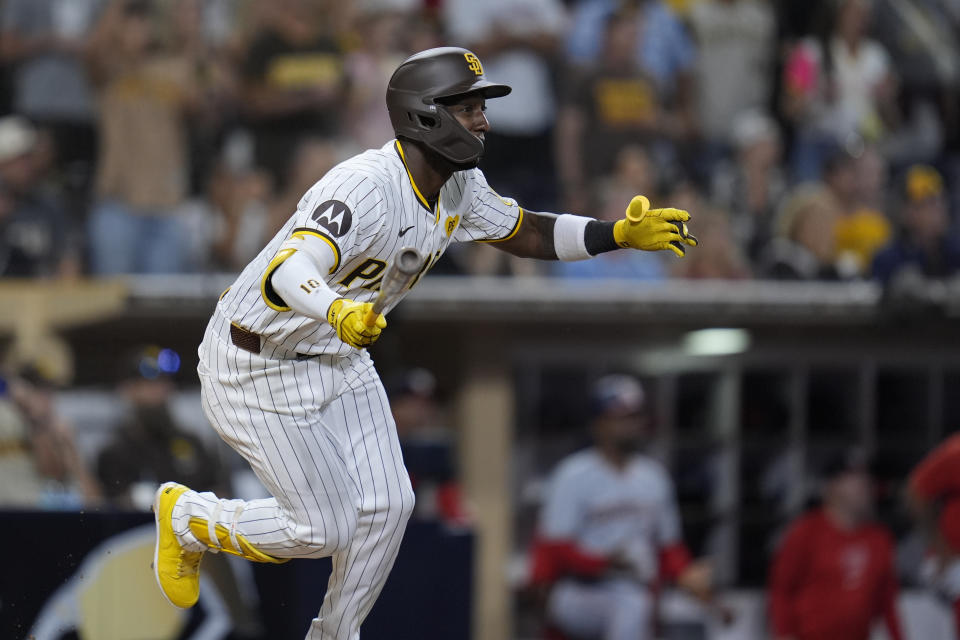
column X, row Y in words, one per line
column 299, row 280
column 568, row 240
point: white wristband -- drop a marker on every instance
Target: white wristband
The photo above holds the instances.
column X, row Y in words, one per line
column 568, row 241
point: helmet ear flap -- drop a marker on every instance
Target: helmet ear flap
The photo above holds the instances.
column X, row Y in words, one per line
column 453, row 141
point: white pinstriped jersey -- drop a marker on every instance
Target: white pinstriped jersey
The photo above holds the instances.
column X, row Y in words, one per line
column 366, row 208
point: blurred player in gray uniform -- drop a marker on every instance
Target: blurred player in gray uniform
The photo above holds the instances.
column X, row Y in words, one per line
column 609, row 529
column 285, row 377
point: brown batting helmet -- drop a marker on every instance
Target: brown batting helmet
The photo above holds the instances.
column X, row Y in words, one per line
column 421, row 83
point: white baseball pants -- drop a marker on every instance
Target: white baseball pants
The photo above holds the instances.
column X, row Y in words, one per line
column 613, row 610
column 319, row 434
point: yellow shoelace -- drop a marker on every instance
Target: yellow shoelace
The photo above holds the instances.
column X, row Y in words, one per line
column 189, row 563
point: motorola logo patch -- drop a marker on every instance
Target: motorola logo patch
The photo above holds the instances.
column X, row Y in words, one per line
column 334, row 216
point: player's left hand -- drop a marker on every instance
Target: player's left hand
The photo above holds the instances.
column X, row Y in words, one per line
column 653, row 229
column 697, row 578
column 348, row 318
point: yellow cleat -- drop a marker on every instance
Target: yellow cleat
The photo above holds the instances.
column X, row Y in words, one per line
column 177, row 570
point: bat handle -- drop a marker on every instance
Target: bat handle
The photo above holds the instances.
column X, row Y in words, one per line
column 370, row 319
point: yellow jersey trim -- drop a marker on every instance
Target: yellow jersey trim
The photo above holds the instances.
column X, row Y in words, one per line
column 306, row 231
column 416, row 190
column 223, row 295
column 270, row 296
column 516, row 227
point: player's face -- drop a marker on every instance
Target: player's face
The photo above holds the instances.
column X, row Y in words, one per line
column 624, row 432
column 147, row 393
column 471, row 113
column 853, row 492
column 929, row 219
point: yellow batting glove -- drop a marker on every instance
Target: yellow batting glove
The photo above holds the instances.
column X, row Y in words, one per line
column 347, row 317
column 653, row 229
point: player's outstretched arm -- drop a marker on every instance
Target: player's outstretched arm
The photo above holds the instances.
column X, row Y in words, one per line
column 547, row 236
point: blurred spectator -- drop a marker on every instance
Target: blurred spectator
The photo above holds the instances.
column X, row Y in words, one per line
column 222, row 24
column 295, row 79
column 751, row 185
column 934, row 497
column 312, row 159
column 206, row 32
column 923, row 41
column 609, row 105
column 663, row 49
column 66, row 482
column 145, row 97
column 609, row 527
column 720, row 258
column 804, row 246
column 148, row 446
column 39, row 463
column 634, row 174
column 518, row 40
column 424, row 31
column 833, row 575
column 56, row 477
column 837, row 88
column 923, row 38
column 428, row 450
column 735, row 40
column 45, row 41
column 229, row 223
column 873, row 173
column 684, row 194
column 380, row 52
column 723, row 259
column 239, row 200
column 860, row 230
column 923, row 241
column 35, row 230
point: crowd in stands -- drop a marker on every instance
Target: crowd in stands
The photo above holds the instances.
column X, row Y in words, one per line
column 811, row 140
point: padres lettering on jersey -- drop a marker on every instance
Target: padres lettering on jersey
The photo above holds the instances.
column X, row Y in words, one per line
column 365, row 209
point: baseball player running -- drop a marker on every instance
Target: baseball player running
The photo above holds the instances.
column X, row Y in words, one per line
column 284, row 374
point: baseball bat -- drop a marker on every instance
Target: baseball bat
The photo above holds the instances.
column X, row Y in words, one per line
column 399, row 274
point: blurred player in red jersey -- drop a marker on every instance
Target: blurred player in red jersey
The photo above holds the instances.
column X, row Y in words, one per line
column 934, row 495
column 834, row 574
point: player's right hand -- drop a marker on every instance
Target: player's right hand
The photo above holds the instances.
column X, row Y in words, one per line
column 346, row 316
column 653, row 229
